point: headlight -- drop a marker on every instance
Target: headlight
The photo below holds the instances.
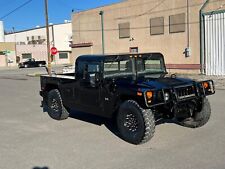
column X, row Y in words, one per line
column 166, row 96
column 205, row 85
column 208, row 87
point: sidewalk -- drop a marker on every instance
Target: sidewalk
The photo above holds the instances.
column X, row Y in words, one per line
column 9, row 68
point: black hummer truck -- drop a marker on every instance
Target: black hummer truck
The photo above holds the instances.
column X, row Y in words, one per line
column 133, row 88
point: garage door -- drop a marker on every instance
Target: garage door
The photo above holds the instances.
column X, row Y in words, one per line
column 215, row 43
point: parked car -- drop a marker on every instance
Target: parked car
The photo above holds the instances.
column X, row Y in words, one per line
column 31, row 63
column 134, row 89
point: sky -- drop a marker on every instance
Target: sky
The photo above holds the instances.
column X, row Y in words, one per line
column 32, row 14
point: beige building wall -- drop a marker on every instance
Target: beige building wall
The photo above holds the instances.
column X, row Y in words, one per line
column 86, row 27
column 8, row 59
column 38, row 52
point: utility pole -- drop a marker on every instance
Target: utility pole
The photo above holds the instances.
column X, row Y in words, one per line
column 13, row 28
column 48, row 41
column 102, row 26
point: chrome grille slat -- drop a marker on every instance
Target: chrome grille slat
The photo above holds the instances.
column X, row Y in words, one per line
column 185, row 92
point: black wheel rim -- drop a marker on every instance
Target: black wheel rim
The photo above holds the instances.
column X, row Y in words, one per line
column 130, row 122
column 54, row 105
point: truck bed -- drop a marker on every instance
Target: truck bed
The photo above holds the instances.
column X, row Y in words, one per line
column 70, row 76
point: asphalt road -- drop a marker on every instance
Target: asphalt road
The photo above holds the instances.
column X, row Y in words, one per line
column 30, row 139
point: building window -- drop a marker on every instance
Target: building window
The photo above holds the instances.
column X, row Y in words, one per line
column 26, row 55
column 39, row 37
column 27, row 38
column 63, row 55
column 157, row 26
column 177, row 23
column 133, row 49
column 32, row 37
column 124, row 30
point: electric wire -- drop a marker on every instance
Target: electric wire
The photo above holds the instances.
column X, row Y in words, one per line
column 16, row 9
column 151, row 11
column 143, row 27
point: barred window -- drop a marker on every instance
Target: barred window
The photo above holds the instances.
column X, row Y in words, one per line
column 124, row 30
column 157, row 26
column 177, row 23
column 26, row 55
column 63, row 55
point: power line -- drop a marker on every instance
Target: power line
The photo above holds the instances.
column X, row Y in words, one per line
column 151, row 11
column 142, row 27
column 68, row 6
column 16, row 9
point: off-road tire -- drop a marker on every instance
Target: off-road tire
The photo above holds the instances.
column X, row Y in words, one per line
column 145, row 123
column 60, row 112
column 200, row 118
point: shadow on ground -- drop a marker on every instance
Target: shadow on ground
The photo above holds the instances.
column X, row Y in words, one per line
column 110, row 124
column 40, row 168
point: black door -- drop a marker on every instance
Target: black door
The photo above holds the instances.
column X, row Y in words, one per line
column 89, row 89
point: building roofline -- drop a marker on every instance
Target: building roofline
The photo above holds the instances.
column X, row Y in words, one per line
column 103, row 6
column 31, row 29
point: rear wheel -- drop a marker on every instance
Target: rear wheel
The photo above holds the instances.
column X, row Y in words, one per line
column 198, row 118
column 135, row 124
column 55, row 107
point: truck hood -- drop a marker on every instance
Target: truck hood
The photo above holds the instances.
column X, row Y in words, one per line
column 166, row 82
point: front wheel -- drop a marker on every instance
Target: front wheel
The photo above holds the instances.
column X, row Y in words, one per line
column 199, row 118
column 135, row 124
column 55, row 107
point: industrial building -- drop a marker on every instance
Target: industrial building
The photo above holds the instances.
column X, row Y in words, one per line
column 7, row 50
column 31, row 43
column 189, row 33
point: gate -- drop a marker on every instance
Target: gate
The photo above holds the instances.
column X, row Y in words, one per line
column 215, row 43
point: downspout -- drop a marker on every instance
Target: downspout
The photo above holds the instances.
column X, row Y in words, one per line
column 201, row 19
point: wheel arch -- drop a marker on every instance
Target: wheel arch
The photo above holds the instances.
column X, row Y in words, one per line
column 121, row 99
column 50, row 87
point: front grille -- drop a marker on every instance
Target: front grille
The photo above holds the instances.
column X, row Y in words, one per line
column 185, row 92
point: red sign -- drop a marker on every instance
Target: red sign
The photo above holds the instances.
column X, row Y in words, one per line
column 54, row 51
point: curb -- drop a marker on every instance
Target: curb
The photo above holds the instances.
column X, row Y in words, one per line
column 35, row 74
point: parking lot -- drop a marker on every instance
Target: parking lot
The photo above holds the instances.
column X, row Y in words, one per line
column 30, row 139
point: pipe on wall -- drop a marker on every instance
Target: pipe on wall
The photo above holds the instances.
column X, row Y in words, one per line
column 201, row 19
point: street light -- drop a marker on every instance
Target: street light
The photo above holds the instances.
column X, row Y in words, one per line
column 101, row 13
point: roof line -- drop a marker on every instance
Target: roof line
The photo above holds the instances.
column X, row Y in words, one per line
column 41, row 27
column 115, row 3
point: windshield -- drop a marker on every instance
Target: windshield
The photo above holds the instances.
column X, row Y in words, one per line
column 143, row 65
column 118, row 66
column 150, row 64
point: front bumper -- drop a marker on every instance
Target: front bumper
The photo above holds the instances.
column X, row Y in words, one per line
column 182, row 93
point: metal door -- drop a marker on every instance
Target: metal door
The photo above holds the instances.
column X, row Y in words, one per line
column 215, row 43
